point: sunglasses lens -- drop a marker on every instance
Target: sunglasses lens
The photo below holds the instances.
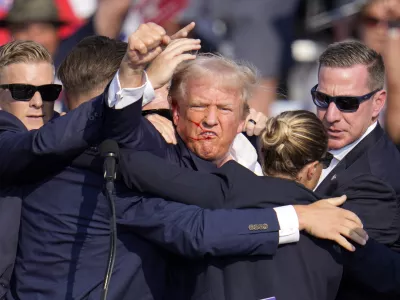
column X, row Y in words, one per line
column 370, row 21
column 321, row 100
column 22, row 91
column 50, row 92
column 349, row 104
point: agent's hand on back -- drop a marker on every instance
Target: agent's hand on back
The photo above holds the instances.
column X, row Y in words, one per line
column 164, row 127
column 324, row 219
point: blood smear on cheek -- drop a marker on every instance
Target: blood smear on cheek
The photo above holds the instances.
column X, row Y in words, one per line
column 202, row 129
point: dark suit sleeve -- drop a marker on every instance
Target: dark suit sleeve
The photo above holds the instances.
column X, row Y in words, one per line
column 61, row 138
column 148, row 173
column 376, row 204
column 375, row 266
column 194, row 232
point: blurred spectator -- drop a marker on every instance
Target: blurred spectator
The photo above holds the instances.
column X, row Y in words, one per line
column 379, row 29
column 39, row 20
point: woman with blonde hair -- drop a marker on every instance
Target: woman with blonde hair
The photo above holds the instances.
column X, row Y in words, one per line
column 293, row 153
column 294, row 146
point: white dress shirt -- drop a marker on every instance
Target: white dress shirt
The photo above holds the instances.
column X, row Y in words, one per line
column 339, row 154
column 242, row 151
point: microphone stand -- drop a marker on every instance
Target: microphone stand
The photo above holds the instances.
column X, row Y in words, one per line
column 109, row 189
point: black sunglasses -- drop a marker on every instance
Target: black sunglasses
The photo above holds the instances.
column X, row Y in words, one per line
column 25, row 92
column 373, row 21
column 343, row 103
column 326, row 160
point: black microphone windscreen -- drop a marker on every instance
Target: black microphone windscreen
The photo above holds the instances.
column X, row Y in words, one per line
column 109, row 146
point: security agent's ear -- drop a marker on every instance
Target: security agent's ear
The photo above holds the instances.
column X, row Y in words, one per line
column 378, row 102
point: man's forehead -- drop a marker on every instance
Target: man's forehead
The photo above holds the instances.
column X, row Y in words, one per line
column 390, row 8
column 213, row 92
column 336, row 81
column 30, row 72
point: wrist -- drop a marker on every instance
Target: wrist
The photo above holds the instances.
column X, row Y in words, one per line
column 130, row 77
column 156, row 85
column 301, row 212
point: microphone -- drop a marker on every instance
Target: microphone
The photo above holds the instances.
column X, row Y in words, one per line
column 110, row 151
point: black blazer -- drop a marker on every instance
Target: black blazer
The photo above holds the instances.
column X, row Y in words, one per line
column 369, row 176
column 310, row 269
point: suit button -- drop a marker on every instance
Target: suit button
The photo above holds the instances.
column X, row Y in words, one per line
column 91, row 118
column 264, row 226
column 251, row 227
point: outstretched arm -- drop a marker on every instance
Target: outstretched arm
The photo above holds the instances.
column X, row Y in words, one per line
column 151, row 174
column 195, row 232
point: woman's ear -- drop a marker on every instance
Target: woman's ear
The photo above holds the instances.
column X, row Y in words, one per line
column 311, row 170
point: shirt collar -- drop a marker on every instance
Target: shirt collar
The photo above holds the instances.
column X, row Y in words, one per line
column 245, row 154
column 339, row 154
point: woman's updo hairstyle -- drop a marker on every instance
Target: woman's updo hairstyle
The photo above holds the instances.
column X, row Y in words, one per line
column 290, row 141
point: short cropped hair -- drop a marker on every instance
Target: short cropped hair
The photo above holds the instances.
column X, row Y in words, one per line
column 91, row 64
column 350, row 53
column 290, row 141
column 23, row 52
column 238, row 75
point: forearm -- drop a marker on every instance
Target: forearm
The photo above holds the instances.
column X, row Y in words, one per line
column 61, row 138
column 195, row 232
column 109, row 17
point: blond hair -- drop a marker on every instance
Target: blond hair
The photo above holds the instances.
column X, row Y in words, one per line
column 290, row 141
column 232, row 74
column 23, row 52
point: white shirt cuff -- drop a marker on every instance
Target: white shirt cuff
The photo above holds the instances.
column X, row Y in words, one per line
column 149, row 94
column 121, row 98
column 288, row 223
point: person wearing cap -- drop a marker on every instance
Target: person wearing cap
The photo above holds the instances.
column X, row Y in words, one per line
column 39, row 21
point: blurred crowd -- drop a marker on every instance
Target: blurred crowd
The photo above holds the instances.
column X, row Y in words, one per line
column 282, row 39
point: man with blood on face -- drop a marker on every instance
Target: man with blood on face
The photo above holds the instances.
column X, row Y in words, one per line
column 210, row 105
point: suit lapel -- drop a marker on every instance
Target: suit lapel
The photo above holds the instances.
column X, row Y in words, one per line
column 367, row 143
column 329, row 184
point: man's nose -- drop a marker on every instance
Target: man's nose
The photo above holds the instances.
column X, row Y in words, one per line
column 36, row 101
column 333, row 114
column 211, row 117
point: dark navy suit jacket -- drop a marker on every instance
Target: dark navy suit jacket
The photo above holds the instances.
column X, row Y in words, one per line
column 369, row 176
column 64, row 233
column 307, row 270
column 25, row 154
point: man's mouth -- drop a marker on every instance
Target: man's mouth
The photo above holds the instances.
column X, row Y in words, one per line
column 35, row 116
column 208, row 134
column 334, row 133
